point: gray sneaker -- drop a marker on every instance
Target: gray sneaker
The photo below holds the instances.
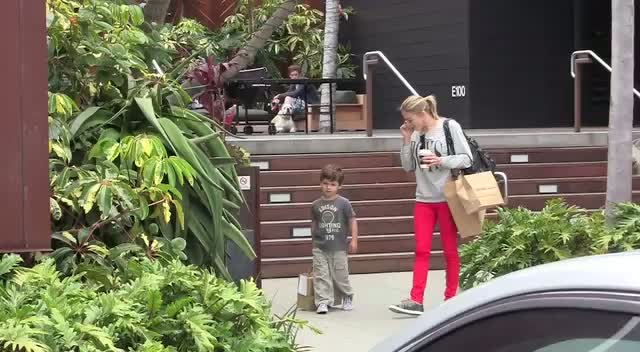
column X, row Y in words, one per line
column 322, row 308
column 347, row 303
column 407, row 307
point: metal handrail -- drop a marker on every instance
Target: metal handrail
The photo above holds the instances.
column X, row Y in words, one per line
column 386, row 61
column 506, row 184
column 598, row 59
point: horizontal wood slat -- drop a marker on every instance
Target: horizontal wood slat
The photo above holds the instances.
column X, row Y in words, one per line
column 366, row 245
column 404, row 207
column 397, row 174
column 302, row 194
column 384, row 159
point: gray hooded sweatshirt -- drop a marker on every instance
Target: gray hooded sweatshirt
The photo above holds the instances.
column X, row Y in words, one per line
column 430, row 181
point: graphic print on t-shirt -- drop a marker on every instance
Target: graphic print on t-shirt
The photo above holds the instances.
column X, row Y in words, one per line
column 328, row 221
column 331, row 223
column 437, row 147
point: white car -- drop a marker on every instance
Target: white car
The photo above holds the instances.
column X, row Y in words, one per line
column 589, row 304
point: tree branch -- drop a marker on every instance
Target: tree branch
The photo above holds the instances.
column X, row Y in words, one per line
column 247, row 54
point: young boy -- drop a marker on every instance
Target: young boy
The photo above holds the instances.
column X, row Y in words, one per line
column 332, row 220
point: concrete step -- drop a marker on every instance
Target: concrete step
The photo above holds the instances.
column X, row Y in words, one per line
column 358, row 264
column 398, row 175
column 384, row 159
column 406, row 190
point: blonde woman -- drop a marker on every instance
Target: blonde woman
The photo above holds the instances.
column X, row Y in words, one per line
column 424, row 151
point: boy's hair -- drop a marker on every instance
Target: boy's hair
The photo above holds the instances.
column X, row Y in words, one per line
column 332, row 173
column 293, row 67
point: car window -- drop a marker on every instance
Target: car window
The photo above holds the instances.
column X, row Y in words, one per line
column 544, row 330
column 592, row 345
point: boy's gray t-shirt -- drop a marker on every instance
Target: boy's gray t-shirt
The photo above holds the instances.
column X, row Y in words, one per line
column 332, row 220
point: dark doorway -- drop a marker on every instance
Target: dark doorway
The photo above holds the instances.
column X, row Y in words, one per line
column 519, row 71
column 593, row 32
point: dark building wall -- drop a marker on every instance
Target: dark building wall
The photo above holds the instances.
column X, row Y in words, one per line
column 427, row 41
column 512, row 56
column 593, row 32
column 519, row 65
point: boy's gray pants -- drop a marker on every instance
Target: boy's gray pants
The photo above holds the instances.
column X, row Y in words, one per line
column 330, row 276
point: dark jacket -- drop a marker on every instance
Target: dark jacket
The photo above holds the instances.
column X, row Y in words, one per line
column 297, row 91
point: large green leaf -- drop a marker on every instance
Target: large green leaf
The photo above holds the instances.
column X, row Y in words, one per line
column 9, row 263
column 82, row 118
column 222, row 267
column 166, row 230
column 222, row 161
column 215, row 173
column 235, row 234
column 89, row 196
column 105, row 200
column 183, row 149
column 196, row 222
column 146, row 106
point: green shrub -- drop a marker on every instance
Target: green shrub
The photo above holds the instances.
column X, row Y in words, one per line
column 127, row 157
column 522, row 238
column 140, row 305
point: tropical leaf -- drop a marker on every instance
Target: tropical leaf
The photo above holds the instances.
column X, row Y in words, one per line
column 8, row 263
column 80, row 120
column 146, row 106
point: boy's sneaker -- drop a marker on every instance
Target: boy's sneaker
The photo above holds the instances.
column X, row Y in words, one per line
column 322, row 308
column 407, row 306
column 347, row 303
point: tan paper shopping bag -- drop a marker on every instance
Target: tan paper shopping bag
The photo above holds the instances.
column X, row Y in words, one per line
column 306, row 296
column 468, row 224
column 479, row 192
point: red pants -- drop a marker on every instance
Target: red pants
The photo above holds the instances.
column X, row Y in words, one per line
column 425, row 217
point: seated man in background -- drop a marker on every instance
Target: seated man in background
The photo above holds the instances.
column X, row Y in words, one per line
column 295, row 96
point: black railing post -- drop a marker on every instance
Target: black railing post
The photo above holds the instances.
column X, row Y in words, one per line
column 577, row 92
column 306, row 112
column 369, row 96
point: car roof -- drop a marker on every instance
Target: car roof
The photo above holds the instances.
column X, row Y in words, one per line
column 608, row 272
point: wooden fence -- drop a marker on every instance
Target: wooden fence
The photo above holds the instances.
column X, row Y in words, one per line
column 24, row 179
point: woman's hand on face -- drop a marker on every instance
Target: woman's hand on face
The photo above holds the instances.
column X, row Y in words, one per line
column 406, row 129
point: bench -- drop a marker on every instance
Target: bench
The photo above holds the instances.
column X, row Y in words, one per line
column 350, row 114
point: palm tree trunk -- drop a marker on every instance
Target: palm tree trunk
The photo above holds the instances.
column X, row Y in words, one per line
column 329, row 61
column 156, row 11
column 247, row 54
column 621, row 109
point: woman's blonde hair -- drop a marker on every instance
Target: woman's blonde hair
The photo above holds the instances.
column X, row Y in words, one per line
column 416, row 104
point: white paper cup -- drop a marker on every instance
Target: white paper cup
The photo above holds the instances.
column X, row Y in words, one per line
column 422, row 153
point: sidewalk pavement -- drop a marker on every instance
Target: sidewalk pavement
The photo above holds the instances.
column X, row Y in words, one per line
column 370, row 321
